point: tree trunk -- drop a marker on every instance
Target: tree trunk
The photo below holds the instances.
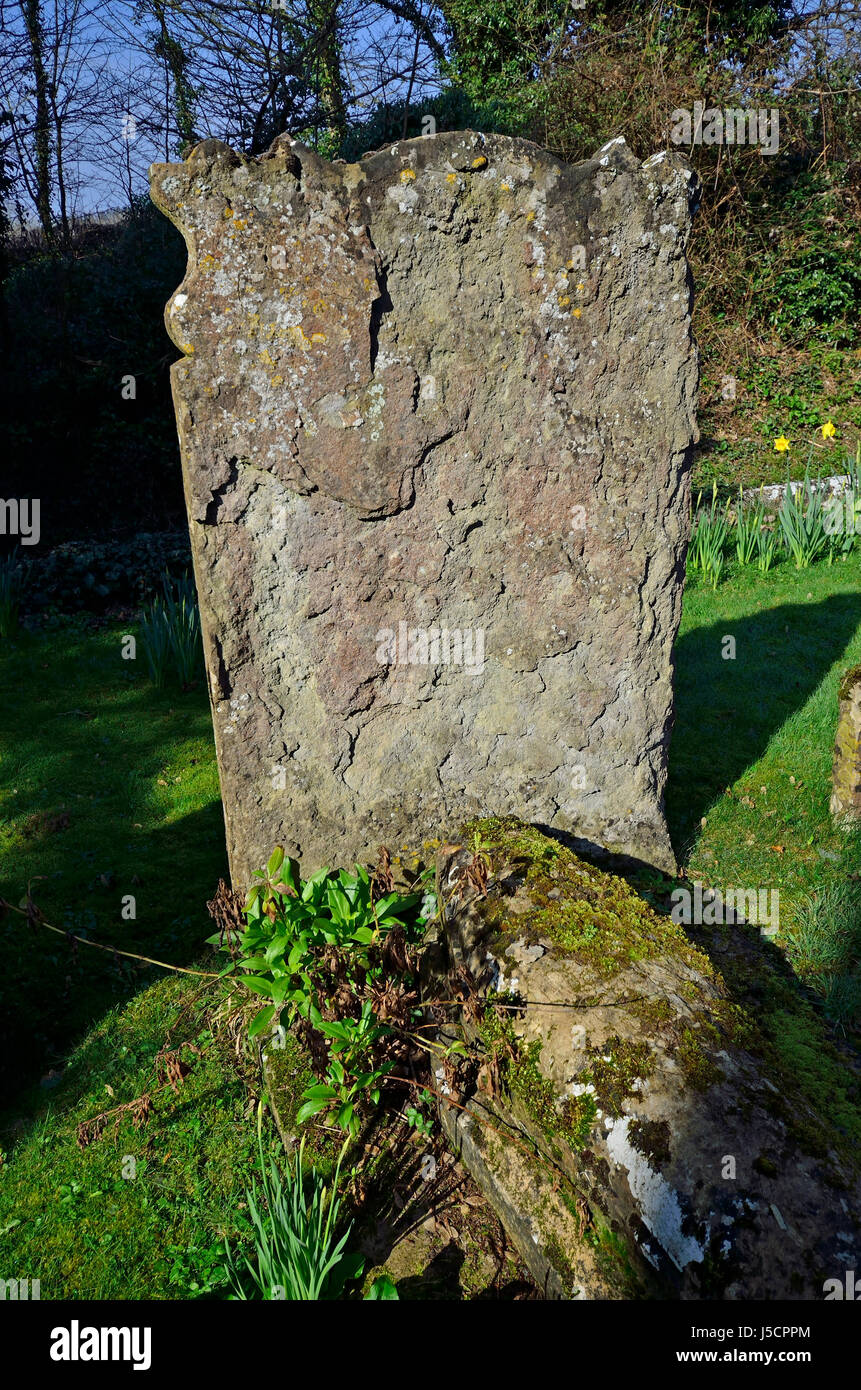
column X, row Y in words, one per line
column 171, row 51
column 31, row 11
column 328, row 80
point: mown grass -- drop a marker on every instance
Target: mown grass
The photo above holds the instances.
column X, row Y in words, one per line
column 751, row 761
column 108, row 790
column 751, row 754
column 141, row 1212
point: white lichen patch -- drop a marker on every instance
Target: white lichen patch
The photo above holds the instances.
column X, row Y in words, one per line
column 498, row 983
column 658, row 1202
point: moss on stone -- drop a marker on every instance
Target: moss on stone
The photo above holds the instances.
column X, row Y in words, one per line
column 565, row 1270
column 652, row 1139
column 851, row 678
column 817, row 1096
column 612, row 1256
column 701, row 1071
column 570, row 1120
column 653, row 1014
column 746, row 1006
column 592, row 915
column 615, row 1067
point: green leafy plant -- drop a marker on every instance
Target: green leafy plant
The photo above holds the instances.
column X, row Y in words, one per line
column 183, row 625
column 309, row 941
column 382, row 1288
column 350, row 1040
column 709, row 539
column 155, row 639
column 818, row 294
column 170, row 632
column 842, row 513
column 300, row 1255
column 748, row 525
column 766, row 549
column 418, row 1116
column 802, row 523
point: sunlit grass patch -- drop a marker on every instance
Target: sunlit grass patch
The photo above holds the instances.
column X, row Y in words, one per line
column 142, row 1211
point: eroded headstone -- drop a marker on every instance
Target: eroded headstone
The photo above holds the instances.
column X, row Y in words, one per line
column 436, row 412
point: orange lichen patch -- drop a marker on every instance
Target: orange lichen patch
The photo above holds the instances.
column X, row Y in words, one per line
column 480, row 162
column 407, row 174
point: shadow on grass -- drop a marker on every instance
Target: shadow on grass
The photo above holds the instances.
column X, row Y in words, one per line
column 727, row 711
column 108, row 793
column 53, row 990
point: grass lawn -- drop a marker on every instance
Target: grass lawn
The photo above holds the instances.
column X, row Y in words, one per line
column 142, row 1211
column 750, row 759
column 109, row 789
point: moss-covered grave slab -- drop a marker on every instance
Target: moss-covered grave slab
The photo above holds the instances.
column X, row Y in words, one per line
column 631, row 1123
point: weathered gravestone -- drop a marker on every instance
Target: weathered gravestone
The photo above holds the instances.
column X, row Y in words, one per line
column 436, row 411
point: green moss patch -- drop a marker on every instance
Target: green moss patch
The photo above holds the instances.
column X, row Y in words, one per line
column 592, row 915
column 517, row 1065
